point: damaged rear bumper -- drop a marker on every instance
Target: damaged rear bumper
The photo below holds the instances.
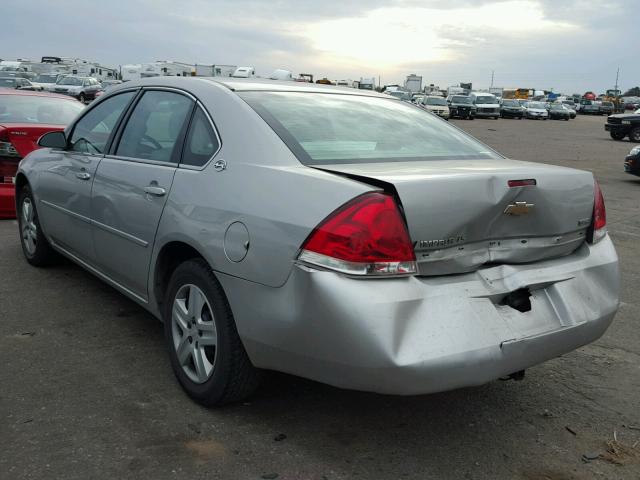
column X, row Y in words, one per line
column 419, row 335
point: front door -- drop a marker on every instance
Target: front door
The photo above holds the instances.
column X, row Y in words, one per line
column 132, row 184
column 64, row 201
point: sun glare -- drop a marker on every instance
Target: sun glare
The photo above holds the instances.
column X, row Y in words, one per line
column 396, row 36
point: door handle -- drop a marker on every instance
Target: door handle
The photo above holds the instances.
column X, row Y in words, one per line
column 156, row 191
column 83, row 175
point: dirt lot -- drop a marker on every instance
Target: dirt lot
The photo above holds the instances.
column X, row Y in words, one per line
column 86, row 390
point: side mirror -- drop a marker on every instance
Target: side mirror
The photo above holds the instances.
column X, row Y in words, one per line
column 57, row 140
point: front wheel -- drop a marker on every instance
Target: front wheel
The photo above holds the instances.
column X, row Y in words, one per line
column 82, row 98
column 617, row 135
column 35, row 247
column 207, row 355
column 634, row 135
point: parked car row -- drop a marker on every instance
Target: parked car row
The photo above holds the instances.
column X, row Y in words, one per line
column 489, row 106
column 84, row 89
column 595, row 107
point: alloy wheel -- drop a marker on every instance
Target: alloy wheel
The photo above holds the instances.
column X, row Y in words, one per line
column 28, row 225
column 194, row 333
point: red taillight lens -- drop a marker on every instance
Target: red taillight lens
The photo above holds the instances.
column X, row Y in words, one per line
column 522, row 183
column 6, row 147
column 599, row 223
column 366, row 236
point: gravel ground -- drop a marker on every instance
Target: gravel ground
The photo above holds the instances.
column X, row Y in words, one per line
column 87, row 390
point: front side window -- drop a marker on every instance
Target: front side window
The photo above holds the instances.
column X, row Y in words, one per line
column 155, row 126
column 201, row 141
column 322, row 128
column 91, row 133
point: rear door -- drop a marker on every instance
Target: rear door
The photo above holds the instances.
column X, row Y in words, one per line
column 64, row 188
column 132, row 184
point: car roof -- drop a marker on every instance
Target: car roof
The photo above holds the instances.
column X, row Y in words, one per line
column 251, row 85
column 30, row 93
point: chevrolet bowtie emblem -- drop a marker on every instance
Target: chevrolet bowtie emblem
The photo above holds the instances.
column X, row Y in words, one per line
column 518, row 208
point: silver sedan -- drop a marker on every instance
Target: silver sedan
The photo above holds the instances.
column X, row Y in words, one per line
column 335, row 234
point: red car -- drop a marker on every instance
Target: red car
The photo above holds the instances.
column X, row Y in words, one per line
column 24, row 117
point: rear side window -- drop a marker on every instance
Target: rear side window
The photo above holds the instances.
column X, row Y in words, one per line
column 201, row 141
column 91, row 133
column 155, row 127
column 322, row 128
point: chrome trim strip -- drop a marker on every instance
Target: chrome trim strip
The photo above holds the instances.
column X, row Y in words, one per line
column 99, row 274
column 68, row 212
column 170, row 89
column 115, row 231
column 158, row 163
column 120, row 233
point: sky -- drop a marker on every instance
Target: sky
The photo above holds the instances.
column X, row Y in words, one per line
column 569, row 46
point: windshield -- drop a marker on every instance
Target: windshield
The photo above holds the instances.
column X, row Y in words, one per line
column 557, row 107
column 46, row 79
column 457, row 99
column 70, row 81
column 486, row 99
column 399, row 94
column 511, row 103
column 328, row 128
column 36, row 109
column 434, row 101
column 7, row 82
column 537, row 105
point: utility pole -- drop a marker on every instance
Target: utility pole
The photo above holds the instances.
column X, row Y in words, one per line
column 492, row 75
column 617, row 102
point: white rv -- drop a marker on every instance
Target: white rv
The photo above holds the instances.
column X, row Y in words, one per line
column 244, row 72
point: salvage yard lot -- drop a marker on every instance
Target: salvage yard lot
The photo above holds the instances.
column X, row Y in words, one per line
column 87, row 390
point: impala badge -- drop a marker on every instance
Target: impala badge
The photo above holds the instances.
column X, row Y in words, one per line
column 518, row 208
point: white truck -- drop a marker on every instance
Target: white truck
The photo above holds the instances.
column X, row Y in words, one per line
column 413, row 83
column 455, row 90
column 367, row 83
column 244, row 72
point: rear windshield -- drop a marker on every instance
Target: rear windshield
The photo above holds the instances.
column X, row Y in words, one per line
column 328, row 128
column 35, row 109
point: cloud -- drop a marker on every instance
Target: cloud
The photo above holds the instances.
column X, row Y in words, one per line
column 392, row 36
column 569, row 44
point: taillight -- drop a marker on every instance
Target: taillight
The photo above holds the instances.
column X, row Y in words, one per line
column 366, row 236
column 599, row 221
column 6, row 147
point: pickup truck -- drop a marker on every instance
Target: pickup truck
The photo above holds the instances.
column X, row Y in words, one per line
column 624, row 124
column 590, row 107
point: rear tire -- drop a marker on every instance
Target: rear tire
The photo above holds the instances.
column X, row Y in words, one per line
column 35, row 247
column 82, row 98
column 634, row 135
column 207, row 355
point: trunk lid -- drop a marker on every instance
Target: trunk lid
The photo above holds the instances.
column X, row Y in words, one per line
column 464, row 214
column 24, row 136
column 16, row 142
